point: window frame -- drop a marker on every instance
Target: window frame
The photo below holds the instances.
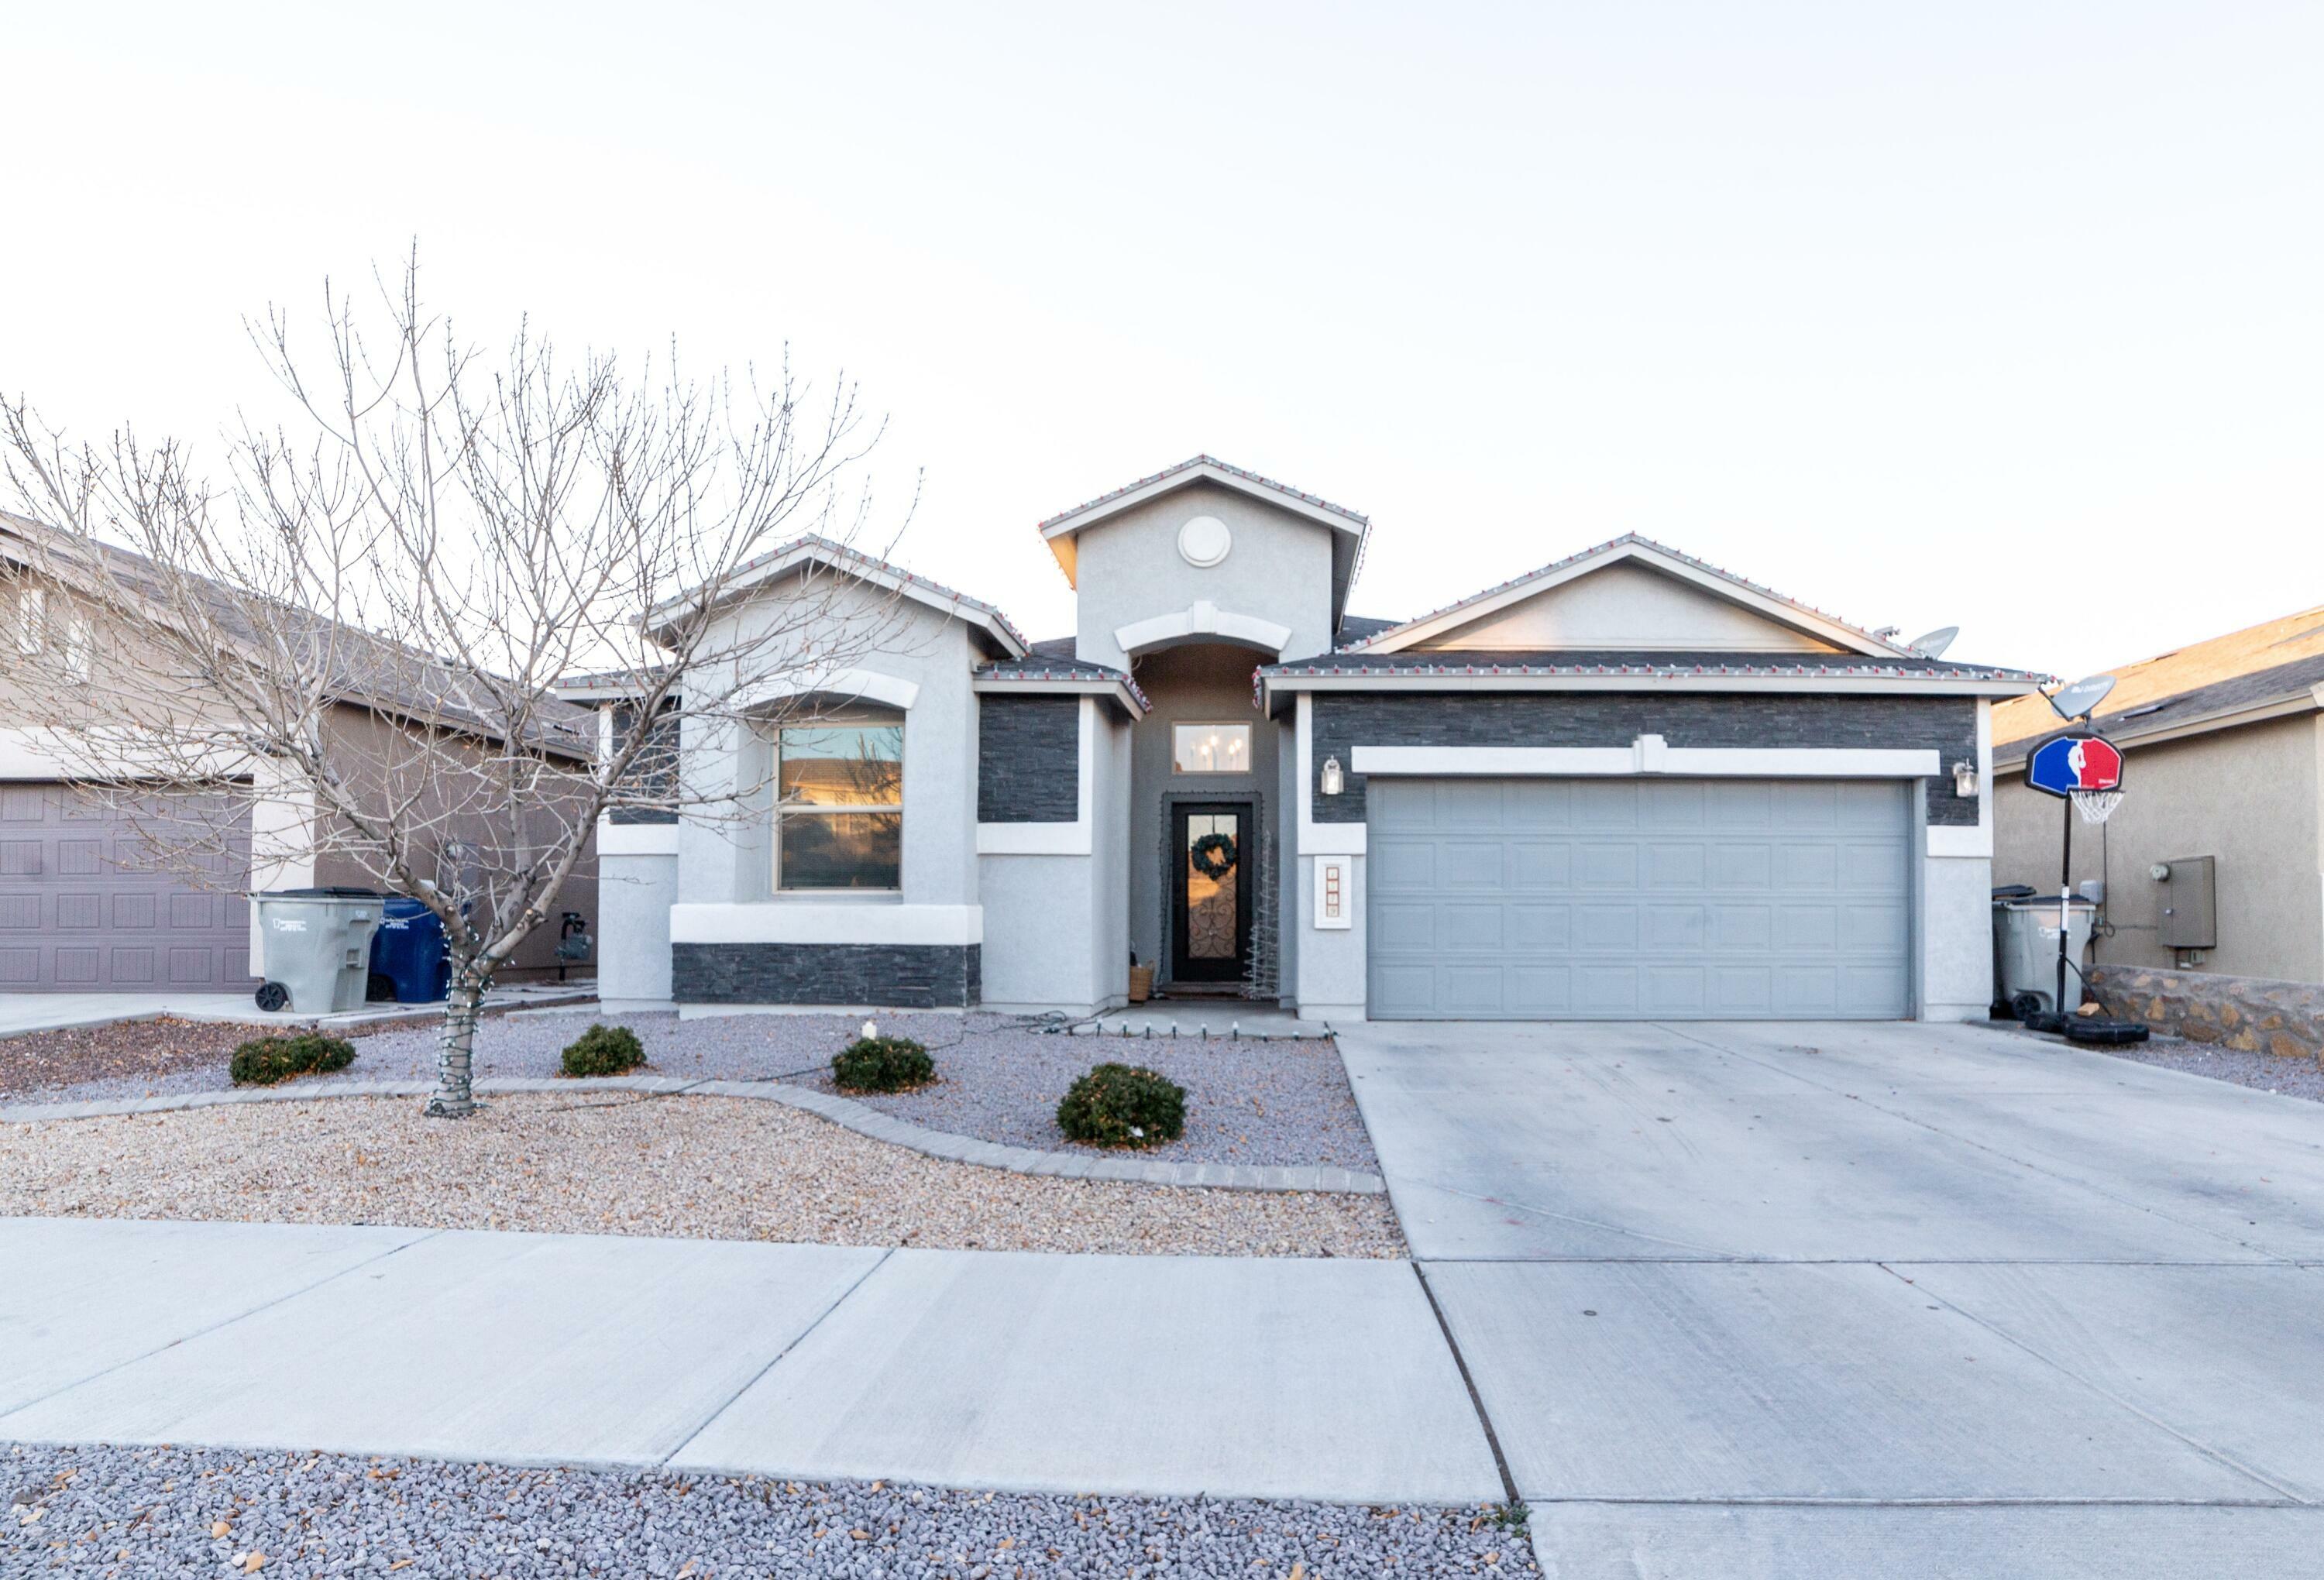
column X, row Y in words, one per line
column 860, row 719
column 1178, row 770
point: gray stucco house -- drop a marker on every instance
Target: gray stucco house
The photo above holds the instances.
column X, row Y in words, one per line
column 1626, row 785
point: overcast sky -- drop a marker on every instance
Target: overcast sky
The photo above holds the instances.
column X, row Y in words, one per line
column 2009, row 316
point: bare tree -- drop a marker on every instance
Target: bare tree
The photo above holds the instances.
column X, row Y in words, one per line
column 344, row 643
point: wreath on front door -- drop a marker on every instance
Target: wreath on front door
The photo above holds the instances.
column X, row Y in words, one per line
column 1213, row 855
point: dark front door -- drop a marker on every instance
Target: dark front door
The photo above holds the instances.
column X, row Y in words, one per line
column 1210, row 885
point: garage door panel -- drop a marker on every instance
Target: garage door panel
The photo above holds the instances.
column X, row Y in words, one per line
column 1541, row 864
column 1469, row 927
column 1537, row 804
column 80, row 915
column 1728, row 898
column 1597, row 928
column 1677, row 927
column 1471, row 864
column 1604, row 803
column 1403, row 926
column 1599, row 863
column 1607, row 991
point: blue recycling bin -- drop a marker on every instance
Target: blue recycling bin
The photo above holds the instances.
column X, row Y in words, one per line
column 409, row 950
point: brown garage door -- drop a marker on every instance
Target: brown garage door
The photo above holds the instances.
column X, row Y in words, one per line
column 80, row 913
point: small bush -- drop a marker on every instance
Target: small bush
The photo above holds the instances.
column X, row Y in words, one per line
column 604, row 1050
column 883, row 1064
column 264, row 1061
column 1123, row 1105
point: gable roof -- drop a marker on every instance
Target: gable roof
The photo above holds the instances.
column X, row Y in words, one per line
column 2263, row 671
column 813, row 549
column 1726, row 584
column 1348, row 528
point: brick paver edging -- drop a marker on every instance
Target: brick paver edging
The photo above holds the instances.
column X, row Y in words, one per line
column 859, row 1118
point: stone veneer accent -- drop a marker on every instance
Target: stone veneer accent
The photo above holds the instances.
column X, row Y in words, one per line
column 2252, row 1013
column 1029, row 758
column 890, row 976
column 1344, row 720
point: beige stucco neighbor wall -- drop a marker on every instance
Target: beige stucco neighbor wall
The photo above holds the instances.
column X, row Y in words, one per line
column 2248, row 797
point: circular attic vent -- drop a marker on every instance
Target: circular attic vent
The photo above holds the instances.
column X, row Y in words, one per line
column 1204, row 541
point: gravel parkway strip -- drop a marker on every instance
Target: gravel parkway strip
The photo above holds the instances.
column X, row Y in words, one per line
column 97, row 1511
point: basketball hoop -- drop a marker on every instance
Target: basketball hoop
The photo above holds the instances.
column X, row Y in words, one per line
column 2097, row 805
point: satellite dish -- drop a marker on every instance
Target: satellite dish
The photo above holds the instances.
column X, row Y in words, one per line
column 2082, row 697
column 1934, row 644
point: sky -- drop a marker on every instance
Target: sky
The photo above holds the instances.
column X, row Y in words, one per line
column 2007, row 316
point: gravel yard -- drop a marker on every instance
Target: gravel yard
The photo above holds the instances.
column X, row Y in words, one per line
column 605, row 1162
column 2295, row 1077
column 998, row 1077
column 97, row 1510
column 124, row 1059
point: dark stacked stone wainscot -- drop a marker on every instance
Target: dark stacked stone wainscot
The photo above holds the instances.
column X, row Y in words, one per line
column 1345, row 720
column 1029, row 758
column 894, row 976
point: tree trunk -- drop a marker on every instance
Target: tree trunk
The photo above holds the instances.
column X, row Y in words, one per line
column 455, row 1054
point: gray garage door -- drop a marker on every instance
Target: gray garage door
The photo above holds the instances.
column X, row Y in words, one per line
column 1612, row 899
column 77, row 914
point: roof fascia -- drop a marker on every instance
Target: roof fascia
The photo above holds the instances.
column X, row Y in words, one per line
column 1095, row 687
column 2291, row 705
column 1797, row 684
column 1719, row 584
column 878, row 573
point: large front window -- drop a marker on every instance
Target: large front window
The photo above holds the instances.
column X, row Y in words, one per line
column 839, row 811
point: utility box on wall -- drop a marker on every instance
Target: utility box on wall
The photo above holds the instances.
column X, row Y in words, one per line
column 2188, row 916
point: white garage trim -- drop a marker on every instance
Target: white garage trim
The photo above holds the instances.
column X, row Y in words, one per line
column 825, row 922
column 1646, row 755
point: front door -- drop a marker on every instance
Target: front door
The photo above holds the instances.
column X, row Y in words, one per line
column 1210, row 932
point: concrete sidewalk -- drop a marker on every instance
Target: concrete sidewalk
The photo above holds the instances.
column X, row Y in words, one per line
column 1222, row 1376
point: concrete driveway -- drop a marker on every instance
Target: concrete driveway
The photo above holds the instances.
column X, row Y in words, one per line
column 1875, row 1299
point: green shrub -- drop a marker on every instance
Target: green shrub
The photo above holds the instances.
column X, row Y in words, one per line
column 604, row 1050
column 264, row 1061
column 883, row 1064
column 1123, row 1105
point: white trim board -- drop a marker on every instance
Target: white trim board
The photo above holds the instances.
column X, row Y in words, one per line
column 861, row 684
column 1647, row 754
column 1201, row 619
column 636, row 839
column 789, row 921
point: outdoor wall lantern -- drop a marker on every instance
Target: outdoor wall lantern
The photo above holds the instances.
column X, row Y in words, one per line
column 1332, row 781
column 1965, row 780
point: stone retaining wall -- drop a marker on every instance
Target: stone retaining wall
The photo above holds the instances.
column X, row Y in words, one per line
column 2253, row 1014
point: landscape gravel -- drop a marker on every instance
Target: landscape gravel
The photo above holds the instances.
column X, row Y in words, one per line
column 101, row 1511
column 613, row 1162
column 999, row 1077
column 2266, row 1072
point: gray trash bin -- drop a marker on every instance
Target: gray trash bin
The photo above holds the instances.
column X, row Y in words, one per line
column 317, row 948
column 2026, row 950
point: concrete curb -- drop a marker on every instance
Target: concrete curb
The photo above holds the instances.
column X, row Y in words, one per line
column 844, row 1112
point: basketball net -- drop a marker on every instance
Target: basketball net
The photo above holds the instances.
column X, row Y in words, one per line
column 2097, row 805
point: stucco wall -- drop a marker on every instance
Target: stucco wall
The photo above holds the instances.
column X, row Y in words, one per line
column 1128, row 569
column 634, row 893
column 1201, row 685
column 2247, row 797
column 729, row 860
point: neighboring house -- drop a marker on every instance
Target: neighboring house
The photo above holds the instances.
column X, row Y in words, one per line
column 1628, row 785
column 2223, row 749
column 81, row 910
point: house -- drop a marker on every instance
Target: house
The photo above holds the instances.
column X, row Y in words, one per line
column 83, row 908
column 1625, row 784
column 2223, row 775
